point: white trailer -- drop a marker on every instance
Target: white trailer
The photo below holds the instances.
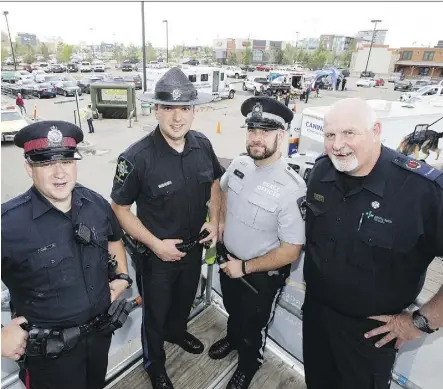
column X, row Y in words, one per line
column 208, row 80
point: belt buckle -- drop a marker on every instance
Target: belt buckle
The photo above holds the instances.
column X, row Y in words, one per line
column 36, row 344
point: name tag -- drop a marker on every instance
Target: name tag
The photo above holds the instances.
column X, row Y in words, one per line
column 239, row 174
column 165, row 184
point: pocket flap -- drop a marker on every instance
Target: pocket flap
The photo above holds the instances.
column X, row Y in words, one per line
column 263, row 202
column 206, row 176
column 235, row 185
column 49, row 256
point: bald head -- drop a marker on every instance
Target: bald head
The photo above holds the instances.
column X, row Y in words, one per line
column 352, row 136
column 355, row 111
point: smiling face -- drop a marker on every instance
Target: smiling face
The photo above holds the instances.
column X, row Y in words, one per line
column 261, row 144
column 55, row 180
column 174, row 121
column 352, row 137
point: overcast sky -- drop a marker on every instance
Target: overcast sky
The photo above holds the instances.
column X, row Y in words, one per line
column 199, row 23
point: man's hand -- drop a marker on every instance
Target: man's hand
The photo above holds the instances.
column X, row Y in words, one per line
column 232, row 268
column 14, row 339
column 398, row 327
column 117, row 288
column 212, row 228
column 167, row 251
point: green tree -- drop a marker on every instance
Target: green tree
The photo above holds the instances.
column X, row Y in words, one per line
column 277, row 55
column 346, row 56
column 151, row 53
column 289, row 55
column 118, row 53
column 5, row 53
column 232, row 60
column 318, row 58
column 44, row 51
column 132, row 53
column 176, row 52
column 247, row 56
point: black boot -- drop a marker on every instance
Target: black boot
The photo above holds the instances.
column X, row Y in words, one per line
column 191, row 344
column 160, row 380
column 220, row 349
column 240, row 380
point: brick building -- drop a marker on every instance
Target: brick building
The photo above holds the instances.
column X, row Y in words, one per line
column 418, row 62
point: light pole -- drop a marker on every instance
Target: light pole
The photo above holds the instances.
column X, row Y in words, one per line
column 92, row 39
column 143, row 46
column 372, row 41
column 10, row 40
column 167, row 54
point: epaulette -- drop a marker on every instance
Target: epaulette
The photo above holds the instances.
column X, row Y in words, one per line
column 418, row 167
column 294, row 175
column 16, row 202
column 321, row 156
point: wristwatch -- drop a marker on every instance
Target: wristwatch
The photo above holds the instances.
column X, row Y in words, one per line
column 243, row 267
column 124, row 276
column 421, row 322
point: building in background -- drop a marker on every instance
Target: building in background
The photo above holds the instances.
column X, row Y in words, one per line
column 382, row 61
column 327, row 41
column 366, row 36
column 308, row 44
column 439, row 45
column 260, row 51
column 416, row 62
column 24, row 38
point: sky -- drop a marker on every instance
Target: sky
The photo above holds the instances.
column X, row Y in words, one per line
column 198, row 23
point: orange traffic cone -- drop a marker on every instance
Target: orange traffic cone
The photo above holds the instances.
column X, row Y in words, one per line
column 218, row 131
column 35, row 112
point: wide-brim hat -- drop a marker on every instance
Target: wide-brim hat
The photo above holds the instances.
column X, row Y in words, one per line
column 174, row 88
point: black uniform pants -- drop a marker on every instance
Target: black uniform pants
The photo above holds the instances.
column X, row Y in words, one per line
column 250, row 314
column 82, row 368
column 336, row 354
column 168, row 291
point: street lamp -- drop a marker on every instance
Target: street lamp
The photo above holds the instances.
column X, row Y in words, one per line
column 372, row 41
column 92, row 40
column 10, row 40
column 143, row 46
column 167, row 54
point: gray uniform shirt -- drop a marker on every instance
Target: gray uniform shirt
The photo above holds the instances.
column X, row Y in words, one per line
column 262, row 207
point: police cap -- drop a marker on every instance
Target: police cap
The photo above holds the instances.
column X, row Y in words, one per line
column 266, row 113
column 49, row 140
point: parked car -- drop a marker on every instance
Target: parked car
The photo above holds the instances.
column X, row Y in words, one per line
column 192, row 62
column 258, row 85
column 403, row 85
column 57, row 68
column 67, row 88
column 369, row 82
column 85, row 67
column 367, row 74
column 126, row 66
column 98, row 66
column 395, row 77
column 247, row 68
column 136, row 79
column 263, row 68
column 85, row 83
column 72, row 68
column 429, row 90
column 235, row 72
column 379, row 82
column 44, row 90
column 12, row 122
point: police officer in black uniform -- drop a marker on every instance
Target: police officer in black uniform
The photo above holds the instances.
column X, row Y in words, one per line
column 60, row 287
column 374, row 223
column 170, row 174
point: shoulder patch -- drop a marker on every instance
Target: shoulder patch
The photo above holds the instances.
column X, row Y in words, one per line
column 293, row 174
column 16, row 202
column 418, row 167
column 301, row 202
column 123, row 170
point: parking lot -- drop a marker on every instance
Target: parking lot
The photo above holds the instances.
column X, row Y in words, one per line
column 112, row 136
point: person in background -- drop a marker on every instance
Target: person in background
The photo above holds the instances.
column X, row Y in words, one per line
column 89, row 118
column 20, row 103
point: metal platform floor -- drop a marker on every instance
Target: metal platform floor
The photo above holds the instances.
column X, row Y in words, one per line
column 188, row 371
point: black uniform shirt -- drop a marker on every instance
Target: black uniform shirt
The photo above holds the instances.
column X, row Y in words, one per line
column 171, row 189
column 53, row 281
column 368, row 248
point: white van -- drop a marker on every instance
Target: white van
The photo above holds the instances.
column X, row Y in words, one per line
column 85, row 67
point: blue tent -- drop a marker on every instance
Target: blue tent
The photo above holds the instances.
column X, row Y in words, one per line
column 334, row 73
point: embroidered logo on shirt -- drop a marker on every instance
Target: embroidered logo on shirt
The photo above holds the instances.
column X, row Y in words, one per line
column 319, row 197
column 301, row 202
column 375, row 204
column 124, row 168
column 167, row 183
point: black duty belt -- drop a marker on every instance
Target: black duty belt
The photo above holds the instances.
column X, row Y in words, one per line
column 51, row 343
